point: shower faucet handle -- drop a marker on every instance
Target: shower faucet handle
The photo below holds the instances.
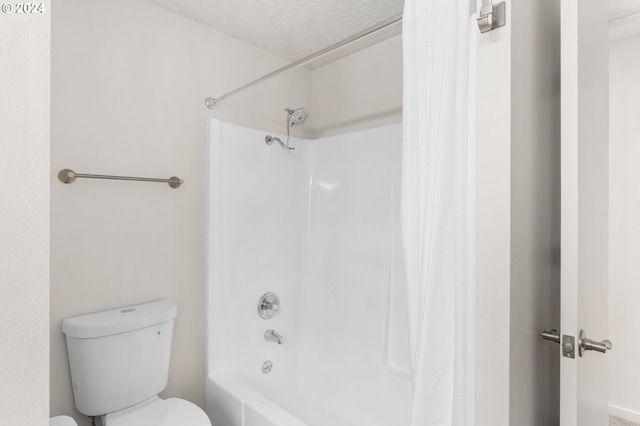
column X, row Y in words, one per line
column 268, row 305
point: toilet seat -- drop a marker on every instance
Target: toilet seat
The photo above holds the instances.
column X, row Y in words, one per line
column 62, row 421
column 159, row 412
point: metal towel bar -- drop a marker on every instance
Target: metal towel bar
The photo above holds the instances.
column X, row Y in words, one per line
column 69, row 176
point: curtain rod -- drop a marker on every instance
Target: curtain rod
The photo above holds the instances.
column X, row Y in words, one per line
column 211, row 102
column 491, row 16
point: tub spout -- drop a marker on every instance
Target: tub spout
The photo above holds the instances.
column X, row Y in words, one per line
column 271, row 336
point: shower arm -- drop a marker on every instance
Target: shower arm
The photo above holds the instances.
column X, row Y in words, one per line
column 269, row 140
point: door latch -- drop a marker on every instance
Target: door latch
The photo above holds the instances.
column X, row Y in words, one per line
column 568, row 342
column 568, row 346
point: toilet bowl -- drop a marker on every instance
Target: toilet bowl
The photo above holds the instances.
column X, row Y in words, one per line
column 62, row 421
column 119, row 362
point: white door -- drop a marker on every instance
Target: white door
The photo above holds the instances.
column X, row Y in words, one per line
column 585, row 114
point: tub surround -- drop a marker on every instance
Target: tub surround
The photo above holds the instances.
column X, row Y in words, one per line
column 317, row 226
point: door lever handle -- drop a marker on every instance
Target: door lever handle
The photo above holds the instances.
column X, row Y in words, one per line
column 586, row 344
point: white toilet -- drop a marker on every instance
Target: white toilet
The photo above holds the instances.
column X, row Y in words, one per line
column 119, row 363
column 62, row 421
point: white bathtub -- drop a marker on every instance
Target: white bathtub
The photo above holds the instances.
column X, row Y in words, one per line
column 319, row 227
column 231, row 401
column 234, row 401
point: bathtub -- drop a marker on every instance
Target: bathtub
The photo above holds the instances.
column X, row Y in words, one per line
column 232, row 401
column 235, row 401
column 319, row 227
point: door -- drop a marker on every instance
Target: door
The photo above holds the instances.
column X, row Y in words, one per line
column 584, row 211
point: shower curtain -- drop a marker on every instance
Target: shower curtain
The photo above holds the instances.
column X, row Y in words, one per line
column 436, row 207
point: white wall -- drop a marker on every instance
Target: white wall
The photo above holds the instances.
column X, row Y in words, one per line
column 128, row 85
column 359, row 92
column 624, row 228
column 24, row 218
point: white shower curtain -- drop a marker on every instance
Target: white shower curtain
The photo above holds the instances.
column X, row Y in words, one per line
column 437, row 206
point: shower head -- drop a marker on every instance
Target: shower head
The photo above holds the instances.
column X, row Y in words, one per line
column 297, row 117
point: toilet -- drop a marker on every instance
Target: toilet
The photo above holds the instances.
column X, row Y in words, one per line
column 119, row 362
column 62, row 421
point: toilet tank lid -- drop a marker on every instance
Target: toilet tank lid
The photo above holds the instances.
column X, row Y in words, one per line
column 120, row 320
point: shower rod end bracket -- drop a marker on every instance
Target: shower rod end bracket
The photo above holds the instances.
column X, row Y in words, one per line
column 67, row 176
column 175, row 182
column 210, row 103
column 491, row 16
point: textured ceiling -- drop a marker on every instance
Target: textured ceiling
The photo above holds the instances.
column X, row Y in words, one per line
column 292, row 29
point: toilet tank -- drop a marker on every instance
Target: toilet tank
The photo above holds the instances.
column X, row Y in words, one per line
column 119, row 358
